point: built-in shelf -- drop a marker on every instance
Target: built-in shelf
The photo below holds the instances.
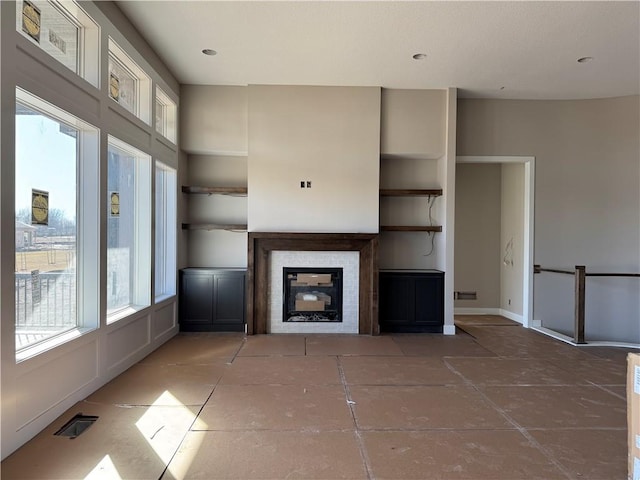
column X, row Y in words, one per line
column 420, row 157
column 231, row 191
column 411, row 192
column 238, row 191
column 214, row 226
column 411, row 228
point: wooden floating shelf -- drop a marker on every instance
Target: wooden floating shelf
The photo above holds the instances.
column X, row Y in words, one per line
column 411, row 228
column 240, row 191
column 415, row 192
column 214, row 226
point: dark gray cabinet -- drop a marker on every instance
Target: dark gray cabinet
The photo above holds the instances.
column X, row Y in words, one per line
column 411, row 301
column 212, row 300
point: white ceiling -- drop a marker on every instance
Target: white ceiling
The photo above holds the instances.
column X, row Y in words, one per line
column 529, row 48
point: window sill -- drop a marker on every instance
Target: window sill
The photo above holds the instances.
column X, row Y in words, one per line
column 163, row 297
column 46, row 345
column 124, row 313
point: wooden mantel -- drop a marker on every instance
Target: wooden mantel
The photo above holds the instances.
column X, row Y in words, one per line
column 262, row 243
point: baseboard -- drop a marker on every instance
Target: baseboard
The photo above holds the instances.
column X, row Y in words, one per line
column 477, row 311
column 449, row 330
column 557, row 335
column 512, row 316
column 536, row 323
column 490, row 311
column 567, row 339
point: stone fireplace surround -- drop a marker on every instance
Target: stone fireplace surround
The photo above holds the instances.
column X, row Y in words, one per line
column 348, row 262
column 261, row 244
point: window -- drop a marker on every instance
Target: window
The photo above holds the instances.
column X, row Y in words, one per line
column 128, row 230
column 65, row 32
column 128, row 84
column 165, row 115
column 56, row 247
column 165, row 231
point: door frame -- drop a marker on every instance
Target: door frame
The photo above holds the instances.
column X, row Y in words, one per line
column 529, row 217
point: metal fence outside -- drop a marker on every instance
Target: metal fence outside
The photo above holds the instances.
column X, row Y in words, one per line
column 45, row 301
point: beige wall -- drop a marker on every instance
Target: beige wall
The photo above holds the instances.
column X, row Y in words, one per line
column 512, row 237
column 413, row 122
column 587, row 198
column 413, row 144
column 217, row 248
column 214, row 123
column 329, row 136
column 183, row 235
column 477, row 242
column 316, row 126
column 213, row 120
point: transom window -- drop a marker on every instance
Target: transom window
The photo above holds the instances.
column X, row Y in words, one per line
column 129, row 85
column 166, row 113
column 65, row 32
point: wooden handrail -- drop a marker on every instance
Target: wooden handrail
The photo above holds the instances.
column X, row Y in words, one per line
column 634, row 275
column 579, row 289
column 539, row 269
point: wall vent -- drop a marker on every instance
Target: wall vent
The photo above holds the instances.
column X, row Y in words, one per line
column 76, row 426
column 465, row 295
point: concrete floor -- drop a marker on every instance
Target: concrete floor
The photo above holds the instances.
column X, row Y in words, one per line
column 494, row 402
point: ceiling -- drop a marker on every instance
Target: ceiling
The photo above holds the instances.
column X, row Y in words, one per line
column 514, row 49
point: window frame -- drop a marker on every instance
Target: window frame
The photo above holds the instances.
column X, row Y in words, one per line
column 81, row 94
column 143, row 83
column 169, row 109
column 140, row 271
column 87, row 224
column 167, row 286
column 88, row 38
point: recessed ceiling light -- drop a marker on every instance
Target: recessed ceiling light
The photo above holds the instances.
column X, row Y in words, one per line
column 208, row 51
column 420, row 56
column 584, row 59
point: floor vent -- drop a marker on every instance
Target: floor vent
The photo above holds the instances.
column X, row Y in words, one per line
column 76, row 426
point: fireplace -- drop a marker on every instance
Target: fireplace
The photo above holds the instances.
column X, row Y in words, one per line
column 327, row 269
column 312, row 294
column 269, row 252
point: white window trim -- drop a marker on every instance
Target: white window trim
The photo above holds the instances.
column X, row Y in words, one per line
column 141, row 273
column 142, row 108
column 87, row 233
column 55, row 341
column 170, row 221
column 169, row 118
column 89, row 51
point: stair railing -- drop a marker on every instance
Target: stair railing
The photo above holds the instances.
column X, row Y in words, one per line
column 580, row 275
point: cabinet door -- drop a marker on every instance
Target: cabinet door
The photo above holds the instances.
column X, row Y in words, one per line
column 397, row 295
column 196, row 299
column 429, row 300
column 229, row 306
column 411, row 302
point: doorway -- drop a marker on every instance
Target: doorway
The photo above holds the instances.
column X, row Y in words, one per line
column 513, row 251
